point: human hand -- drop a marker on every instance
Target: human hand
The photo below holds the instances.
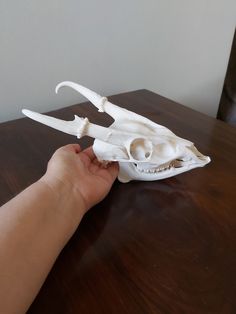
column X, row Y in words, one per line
column 36, row 224
column 83, row 175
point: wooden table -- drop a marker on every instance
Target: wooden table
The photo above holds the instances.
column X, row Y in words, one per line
column 167, row 246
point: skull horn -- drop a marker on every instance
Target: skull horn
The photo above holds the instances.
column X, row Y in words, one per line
column 97, row 100
column 81, row 127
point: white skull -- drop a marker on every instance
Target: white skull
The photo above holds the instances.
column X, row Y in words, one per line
column 145, row 150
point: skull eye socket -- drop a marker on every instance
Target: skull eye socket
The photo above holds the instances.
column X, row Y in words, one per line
column 140, row 149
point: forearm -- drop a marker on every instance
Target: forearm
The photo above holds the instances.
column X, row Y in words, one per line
column 34, row 226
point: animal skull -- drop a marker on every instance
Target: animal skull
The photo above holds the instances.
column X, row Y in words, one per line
column 145, row 150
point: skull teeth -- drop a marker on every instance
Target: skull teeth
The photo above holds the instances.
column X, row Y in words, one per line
column 155, row 170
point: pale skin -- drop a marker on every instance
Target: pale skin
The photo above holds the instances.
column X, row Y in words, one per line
column 37, row 223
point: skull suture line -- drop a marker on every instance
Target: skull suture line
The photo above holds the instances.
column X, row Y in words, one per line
column 145, row 150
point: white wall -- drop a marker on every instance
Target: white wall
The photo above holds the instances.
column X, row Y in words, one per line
column 178, row 49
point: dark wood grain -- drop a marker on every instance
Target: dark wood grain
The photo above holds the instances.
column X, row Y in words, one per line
column 150, row 247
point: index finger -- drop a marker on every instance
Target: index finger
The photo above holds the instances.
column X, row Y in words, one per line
column 89, row 152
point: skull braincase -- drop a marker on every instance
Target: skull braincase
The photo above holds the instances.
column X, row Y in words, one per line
column 144, row 149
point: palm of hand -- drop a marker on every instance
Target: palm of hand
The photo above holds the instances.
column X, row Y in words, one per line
column 83, row 172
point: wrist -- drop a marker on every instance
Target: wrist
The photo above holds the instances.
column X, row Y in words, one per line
column 66, row 202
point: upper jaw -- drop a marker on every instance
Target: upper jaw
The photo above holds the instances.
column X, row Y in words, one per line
column 170, row 165
column 150, row 172
column 129, row 171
